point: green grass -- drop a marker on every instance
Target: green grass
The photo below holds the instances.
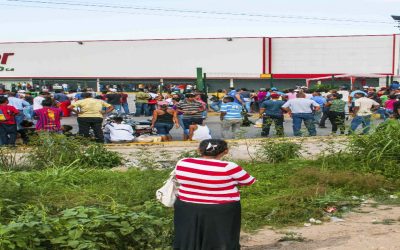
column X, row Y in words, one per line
column 96, row 207
column 284, row 194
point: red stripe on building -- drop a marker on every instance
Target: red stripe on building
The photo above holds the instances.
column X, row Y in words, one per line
column 263, row 55
column 394, row 54
column 270, row 55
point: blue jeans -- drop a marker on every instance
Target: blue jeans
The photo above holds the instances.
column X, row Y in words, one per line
column 142, row 108
column 19, row 118
column 247, row 106
column 8, row 134
column 163, row 128
column 364, row 120
column 308, row 119
column 117, row 108
column 216, row 106
column 125, row 106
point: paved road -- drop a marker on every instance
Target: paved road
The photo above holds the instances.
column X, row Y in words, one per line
column 214, row 125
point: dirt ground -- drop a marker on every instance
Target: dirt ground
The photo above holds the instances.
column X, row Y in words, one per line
column 368, row 227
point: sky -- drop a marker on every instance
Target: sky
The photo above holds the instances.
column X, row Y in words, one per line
column 76, row 20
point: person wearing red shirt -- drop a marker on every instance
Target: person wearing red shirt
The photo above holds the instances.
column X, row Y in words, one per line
column 124, row 102
column 48, row 118
column 8, row 126
column 207, row 210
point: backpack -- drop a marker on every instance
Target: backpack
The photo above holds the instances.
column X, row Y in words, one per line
column 3, row 117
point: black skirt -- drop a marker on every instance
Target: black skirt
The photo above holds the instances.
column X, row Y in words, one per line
column 207, row 226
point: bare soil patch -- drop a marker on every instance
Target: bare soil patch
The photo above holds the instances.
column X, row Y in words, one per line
column 368, row 227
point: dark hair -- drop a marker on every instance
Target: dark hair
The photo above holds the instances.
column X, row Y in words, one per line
column 86, row 95
column 229, row 98
column 47, row 102
column 3, row 99
column 66, row 128
column 189, row 95
column 212, row 147
column 118, row 119
column 11, row 94
column 57, row 91
column 26, row 124
column 392, row 97
column 176, row 99
column 43, row 93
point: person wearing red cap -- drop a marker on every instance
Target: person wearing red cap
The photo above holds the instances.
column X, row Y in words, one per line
column 271, row 112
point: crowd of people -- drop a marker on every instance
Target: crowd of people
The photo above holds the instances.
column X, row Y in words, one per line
column 21, row 110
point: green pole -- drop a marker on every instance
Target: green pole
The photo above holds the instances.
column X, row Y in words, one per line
column 200, row 82
column 271, row 83
column 205, row 83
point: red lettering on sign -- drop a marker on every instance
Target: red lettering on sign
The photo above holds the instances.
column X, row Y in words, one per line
column 5, row 57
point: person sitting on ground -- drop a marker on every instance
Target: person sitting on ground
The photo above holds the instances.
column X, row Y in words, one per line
column 67, row 130
column 199, row 132
column 48, row 118
column 27, row 130
column 163, row 120
column 118, row 132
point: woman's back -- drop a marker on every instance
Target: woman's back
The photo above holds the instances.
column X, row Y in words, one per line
column 165, row 116
column 210, row 181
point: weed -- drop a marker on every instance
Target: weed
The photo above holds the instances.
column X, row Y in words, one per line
column 292, row 236
column 385, row 222
column 276, row 152
column 52, row 150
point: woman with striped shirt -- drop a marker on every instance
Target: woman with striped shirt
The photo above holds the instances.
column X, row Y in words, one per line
column 207, row 211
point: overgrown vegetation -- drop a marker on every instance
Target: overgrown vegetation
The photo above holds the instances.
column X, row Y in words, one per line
column 54, row 150
column 77, row 203
column 377, row 152
column 276, row 152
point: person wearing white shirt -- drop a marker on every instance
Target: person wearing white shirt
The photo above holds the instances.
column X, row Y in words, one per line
column 302, row 109
column 37, row 101
column 362, row 112
column 199, row 132
column 118, row 132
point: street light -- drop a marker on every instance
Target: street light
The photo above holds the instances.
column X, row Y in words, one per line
column 397, row 20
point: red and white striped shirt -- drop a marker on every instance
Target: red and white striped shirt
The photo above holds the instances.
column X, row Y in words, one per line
column 210, row 181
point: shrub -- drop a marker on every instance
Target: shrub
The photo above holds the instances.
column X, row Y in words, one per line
column 51, row 150
column 116, row 227
column 276, row 152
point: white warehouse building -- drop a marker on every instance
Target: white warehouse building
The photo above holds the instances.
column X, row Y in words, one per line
column 239, row 61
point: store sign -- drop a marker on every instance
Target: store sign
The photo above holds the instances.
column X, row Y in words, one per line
column 4, row 62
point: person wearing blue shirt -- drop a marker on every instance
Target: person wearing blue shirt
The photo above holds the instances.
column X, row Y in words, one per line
column 395, row 85
column 19, row 104
column 321, row 101
column 231, row 116
column 271, row 112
